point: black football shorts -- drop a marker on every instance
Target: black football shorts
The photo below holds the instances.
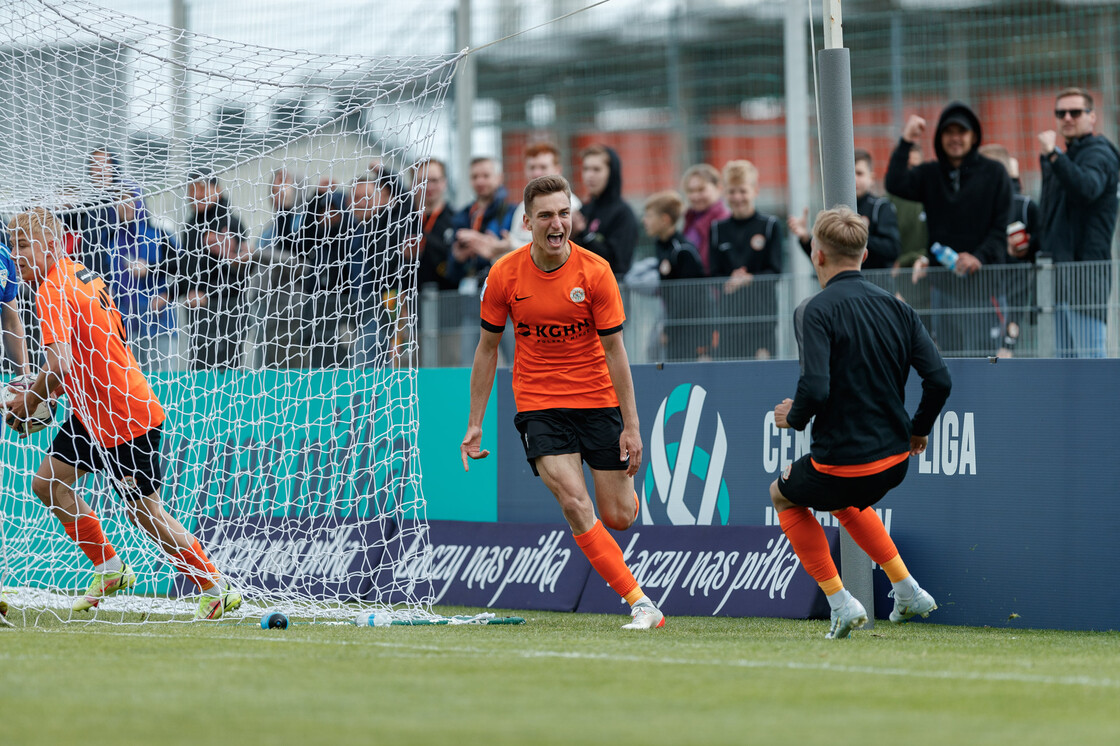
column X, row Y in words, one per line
column 803, row 485
column 135, row 464
column 592, row 433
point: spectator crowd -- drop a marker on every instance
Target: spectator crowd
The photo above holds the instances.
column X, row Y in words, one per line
column 326, row 281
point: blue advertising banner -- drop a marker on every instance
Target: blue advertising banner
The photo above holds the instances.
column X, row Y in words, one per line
column 714, row 571
column 519, row 566
column 1011, row 498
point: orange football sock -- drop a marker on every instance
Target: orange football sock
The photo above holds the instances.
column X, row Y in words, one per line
column 87, row 534
column 811, row 545
column 606, row 557
column 196, row 566
column 867, row 529
column 637, row 506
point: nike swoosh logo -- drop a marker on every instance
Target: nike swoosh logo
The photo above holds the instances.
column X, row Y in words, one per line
column 521, row 297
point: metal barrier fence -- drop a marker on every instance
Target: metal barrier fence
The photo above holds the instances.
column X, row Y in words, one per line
column 1024, row 310
column 1039, row 310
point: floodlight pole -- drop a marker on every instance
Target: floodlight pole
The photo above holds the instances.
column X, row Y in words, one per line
column 839, row 176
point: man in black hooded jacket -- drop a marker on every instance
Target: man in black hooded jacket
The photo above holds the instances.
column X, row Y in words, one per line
column 605, row 224
column 967, row 200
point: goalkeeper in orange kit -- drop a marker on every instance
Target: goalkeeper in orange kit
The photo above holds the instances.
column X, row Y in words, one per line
column 116, row 422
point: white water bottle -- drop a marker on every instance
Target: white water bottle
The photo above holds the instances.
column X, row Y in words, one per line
column 944, row 254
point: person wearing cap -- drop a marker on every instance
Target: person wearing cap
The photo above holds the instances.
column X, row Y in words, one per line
column 967, row 201
column 1079, row 204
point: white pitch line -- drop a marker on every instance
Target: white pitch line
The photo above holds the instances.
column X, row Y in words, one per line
column 1021, row 678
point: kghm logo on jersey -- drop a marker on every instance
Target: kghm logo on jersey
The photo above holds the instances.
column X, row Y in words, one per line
column 577, row 295
column 684, row 484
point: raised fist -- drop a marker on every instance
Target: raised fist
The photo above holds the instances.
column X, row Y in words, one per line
column 914, row 129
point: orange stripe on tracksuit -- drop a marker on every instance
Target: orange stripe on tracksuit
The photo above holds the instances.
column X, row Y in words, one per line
column 861, row 470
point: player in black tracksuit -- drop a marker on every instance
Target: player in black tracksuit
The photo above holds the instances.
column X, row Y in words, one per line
column 857, row 345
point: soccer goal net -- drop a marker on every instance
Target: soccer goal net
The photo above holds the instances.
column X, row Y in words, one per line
column 255, row 215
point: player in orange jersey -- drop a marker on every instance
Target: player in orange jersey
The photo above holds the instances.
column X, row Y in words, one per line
column 115, row 426
column 571, row 382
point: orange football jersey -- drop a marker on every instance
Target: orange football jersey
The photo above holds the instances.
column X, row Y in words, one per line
column 557, row 318
column 107, row 390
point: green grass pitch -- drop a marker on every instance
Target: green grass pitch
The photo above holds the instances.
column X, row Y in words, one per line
column 558, row 679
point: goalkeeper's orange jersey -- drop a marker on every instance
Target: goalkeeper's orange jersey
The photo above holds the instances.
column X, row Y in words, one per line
column 107, row 391
column 558, row 318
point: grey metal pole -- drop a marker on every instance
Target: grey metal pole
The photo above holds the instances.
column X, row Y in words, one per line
column 797, row 110
column 839, row 174
column 178, row 157
column 897, row 114
column 180, row 102
column 800, row 283
column 465, row 88
column 1045, row 276
column 837, row 134
column 673, row 73
column 429, row 327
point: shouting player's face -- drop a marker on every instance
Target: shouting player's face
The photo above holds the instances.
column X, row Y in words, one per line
column 551, row 225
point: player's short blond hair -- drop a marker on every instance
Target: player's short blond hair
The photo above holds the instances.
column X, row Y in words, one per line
column 667, row 203
column 842, row 232
column 740, row 173
column 38, row 223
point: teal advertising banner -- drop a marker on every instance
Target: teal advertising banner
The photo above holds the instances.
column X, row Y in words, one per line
column 266, row 445
column 453, row 495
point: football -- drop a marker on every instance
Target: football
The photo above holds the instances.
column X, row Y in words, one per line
column 42, row 417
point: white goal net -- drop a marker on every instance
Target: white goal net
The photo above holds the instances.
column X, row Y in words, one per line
column 255, row 216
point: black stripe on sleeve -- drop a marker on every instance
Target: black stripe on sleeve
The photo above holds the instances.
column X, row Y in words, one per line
column 608, row 332
column 492, row 327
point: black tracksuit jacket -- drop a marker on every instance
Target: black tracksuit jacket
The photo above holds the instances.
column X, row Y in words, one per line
column 857, row 344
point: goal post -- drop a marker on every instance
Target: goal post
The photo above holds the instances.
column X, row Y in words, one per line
column 275, row 323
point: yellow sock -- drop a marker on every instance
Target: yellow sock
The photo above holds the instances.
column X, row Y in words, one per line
column 832, row 585
column 896, row 569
